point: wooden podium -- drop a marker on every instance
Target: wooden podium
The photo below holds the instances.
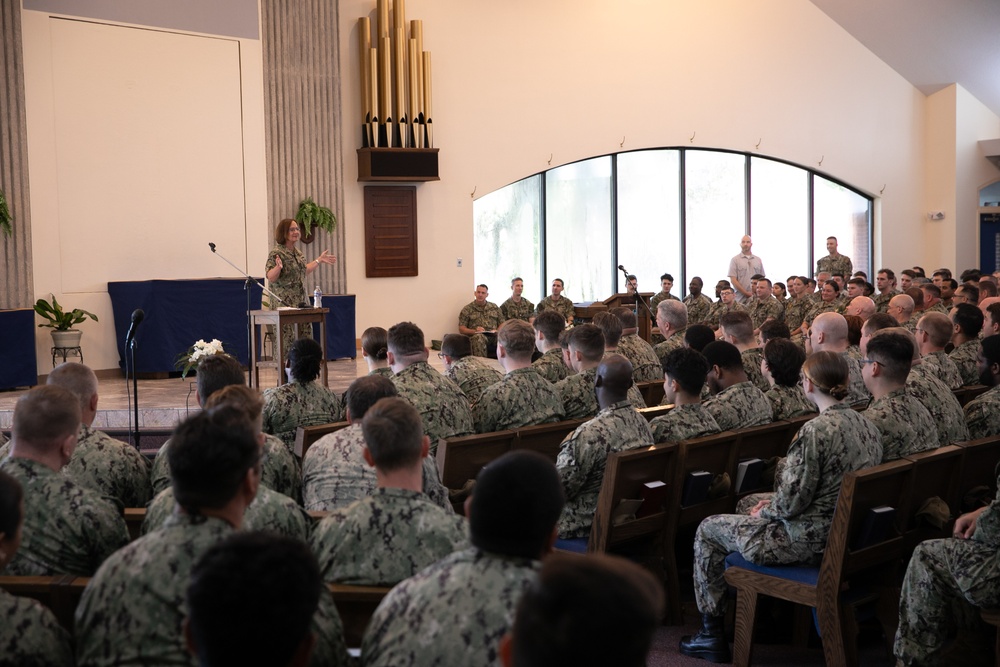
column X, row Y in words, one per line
column 642, row 317
column 280, row 318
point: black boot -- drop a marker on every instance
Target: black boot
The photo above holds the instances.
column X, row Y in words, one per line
column 709, row 644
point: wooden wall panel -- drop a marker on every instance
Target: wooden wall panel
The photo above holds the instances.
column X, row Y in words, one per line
column 390, row 231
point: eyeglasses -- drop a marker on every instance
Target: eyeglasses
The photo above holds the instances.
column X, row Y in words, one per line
column 440, row 355
column 868, row 361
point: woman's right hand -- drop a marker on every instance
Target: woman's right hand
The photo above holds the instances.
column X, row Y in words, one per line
column 277, row 263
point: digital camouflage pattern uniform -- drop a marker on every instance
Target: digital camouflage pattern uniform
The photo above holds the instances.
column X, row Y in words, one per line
column 966, row 358
column 822, row 307
column 698, row 308
column 68, row 529
column 299, row 404
column 385, row 538
column 739, row 406
column 579, row 400
column 795, row 312
column 270, row 511
column 473, row 376
column 751, row 358
column 906, row 425
column 335, row 473
column 982, row 414
column 110, row 467
column 833, row 265
column 718, row 310
column 451, row 614
column 882, row 299
column 30, row 636
column 946, row 585
column 675, row 341
column 655, row 300
column 760, row 310
column 857, row 392
column 486, row 316
column 279, row 470
column 444, row 410
column 290, row 288
column 943, row 368
column 384, row 371
column 551, row 366
column 564, row 306
column 511, row 310
column 646, row 366
column 522, row 398
column 684, row 422
column 794, row 526
column 940, row 402
column 132, row 610
column 788, row 402
column 583, row 456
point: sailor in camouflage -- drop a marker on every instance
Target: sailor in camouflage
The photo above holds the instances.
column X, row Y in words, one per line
column 396, row 532
column 781, row 366
column 454, row 613
column 479, row 320
column 684, row 372
column 983, row 412
column 472, row 374
column 792, row 526
column 444, row 409
column 672, row 321
column 735, row 402
column 68, row 529
column 286, row 269
column 29, row 633
column 933, row 333
column 584, row 453
column 828, row 333
column 645, row 364
column 941, row 366
column 585, row 350
column 516, row 307
column 696, row 303
column 133, row 608
column 947, row 584
column 548, row 326
column 736, row 328
column 764, row 306
column 523, row 397
column 666, row 284
column 885, row 281
column 968, row 321
column 795, row 312
column 555, row 301
column 727, row 304
column 834, row 263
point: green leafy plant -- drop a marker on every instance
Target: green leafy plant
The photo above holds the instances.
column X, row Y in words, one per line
column 5, row 216
column 310, row 215
column 59, row 319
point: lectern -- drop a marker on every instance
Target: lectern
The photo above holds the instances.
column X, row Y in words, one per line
column 279, row 318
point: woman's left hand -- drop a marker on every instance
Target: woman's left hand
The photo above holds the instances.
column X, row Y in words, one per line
column 326, row 258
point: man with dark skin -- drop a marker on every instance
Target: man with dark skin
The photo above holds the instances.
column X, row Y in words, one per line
column 697, row 303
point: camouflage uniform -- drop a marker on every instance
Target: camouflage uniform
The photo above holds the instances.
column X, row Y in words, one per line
column 821, row 307
column 385, row 538
column 938, row 307
column 583, row 456
column 509, row 310
column 335, row 473
column 384, row 371
column 882, row 299
column 943, row 368
column 718, row 310
column 110, row 467
column 698, row 308
column 684, row 422
column 290, row 288
column 854, row 352
column 444, row 410
column 451, row 614
column 486, row 316
column 30, row 635
column 760, row 310
column 551, row 366
column 579, row 400
column 564, row 306
column 646, row 366
column 295, row 404
column 940, row 402
column 675, row 341
column 788, row 402
column 795, row 313
column 905, row 425
column 947, row 583
column 279, row 470
column 133, row 608
column 655, row 300
column 68, row 529
column 965, row 357
column 473, row 376
column 522, row 398
column 794, row 527
column 751, row 366
column 270, row 511
column 740, row 406
column 982, row 414
column 857, row 392
column 833, row 265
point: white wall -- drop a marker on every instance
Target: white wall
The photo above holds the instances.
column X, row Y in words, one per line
column 518, row 81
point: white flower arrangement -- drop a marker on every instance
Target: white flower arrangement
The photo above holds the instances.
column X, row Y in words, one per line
column 187, row 361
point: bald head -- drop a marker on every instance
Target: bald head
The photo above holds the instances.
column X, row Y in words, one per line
column 80, row 381
column 861, row 306
column 46, row 422
column 829, row 333
column 614, row 377
column 901, row 307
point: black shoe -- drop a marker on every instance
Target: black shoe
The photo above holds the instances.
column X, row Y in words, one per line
column 709, row 644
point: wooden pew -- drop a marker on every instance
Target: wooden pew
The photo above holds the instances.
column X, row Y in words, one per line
column 979, row 465
column 651, row 413
column 461, row 459
column 60, row 593
column 652, row 392
column 761, row 442
column 966, row 393
column 305, row 436
column 714, row 454
column 862, row 570
column 546, row 438
column 134, row 516
column 356, row 604
column 935, row 473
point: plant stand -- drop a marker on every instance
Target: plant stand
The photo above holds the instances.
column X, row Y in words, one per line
column 75, row 351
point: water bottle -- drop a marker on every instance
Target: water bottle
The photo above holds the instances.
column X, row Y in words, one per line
column 317, row 297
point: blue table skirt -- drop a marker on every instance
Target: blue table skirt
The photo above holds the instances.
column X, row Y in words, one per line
column 18, row 363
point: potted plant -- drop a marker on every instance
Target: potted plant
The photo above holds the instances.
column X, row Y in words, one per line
column 61, row 322
column 310, row 215
column 5, row 216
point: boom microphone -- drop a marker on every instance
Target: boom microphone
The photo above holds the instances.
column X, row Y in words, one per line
column 212, row 246
column 137, row 316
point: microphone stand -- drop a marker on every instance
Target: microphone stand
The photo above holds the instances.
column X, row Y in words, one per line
column 135, row 393
column 246, row 286
column 638, row 299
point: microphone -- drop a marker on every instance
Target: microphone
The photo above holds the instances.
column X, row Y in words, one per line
column 621, row 268
column 210, row 245
column 137, row 317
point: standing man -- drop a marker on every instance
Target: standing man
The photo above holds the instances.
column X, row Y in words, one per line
column 558, row 302
column 885, row 280
column 479, row 320
column 834, row 262
column 667, row 284
column 516, row 307
column 741, row 267
column 697, row 303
